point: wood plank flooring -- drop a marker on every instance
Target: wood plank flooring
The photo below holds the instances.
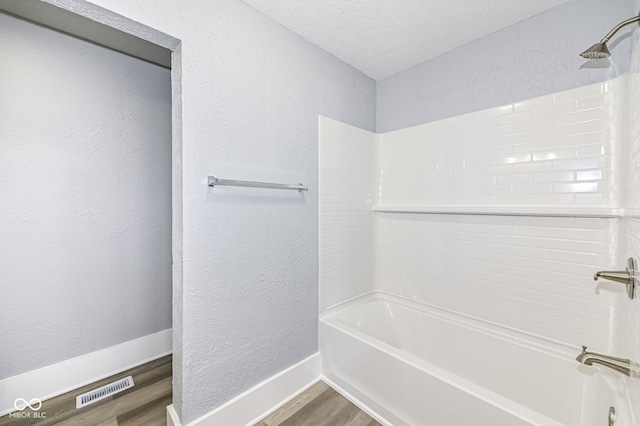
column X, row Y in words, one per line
column 144, row 404
column 319, row 405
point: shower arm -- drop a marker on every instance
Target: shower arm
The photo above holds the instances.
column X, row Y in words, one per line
column 617, row 27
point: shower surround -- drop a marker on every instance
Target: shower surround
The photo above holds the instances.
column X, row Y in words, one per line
column 502, row 215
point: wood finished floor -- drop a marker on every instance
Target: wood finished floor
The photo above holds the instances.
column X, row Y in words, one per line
column 142, row 405
column 319, row 405
column 145, row 405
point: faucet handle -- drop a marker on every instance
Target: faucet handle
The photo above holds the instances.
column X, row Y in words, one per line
column 584, row 349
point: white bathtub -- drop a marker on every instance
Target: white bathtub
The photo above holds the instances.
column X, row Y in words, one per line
column 416, row 365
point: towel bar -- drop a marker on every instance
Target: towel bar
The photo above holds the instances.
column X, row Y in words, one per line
column 213, row 181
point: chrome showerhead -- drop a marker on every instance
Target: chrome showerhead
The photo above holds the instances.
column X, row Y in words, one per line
column 597, row 51
column 600, row 50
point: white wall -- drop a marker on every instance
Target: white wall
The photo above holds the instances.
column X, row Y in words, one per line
column 626, row 334
column 533, row 274
column 251, row 94
column 346, row 219
column 555, row 150
column 545, row 173
column 559, row 153
column 85, row 184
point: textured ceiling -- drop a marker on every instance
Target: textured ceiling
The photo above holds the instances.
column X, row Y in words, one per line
column 382, row 37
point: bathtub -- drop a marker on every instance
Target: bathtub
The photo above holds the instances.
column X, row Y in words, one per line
column 411, row 364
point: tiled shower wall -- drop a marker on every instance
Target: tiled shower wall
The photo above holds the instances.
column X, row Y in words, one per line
column 531, row 273
column 627, row 336
column 554, row 150
column 632, row 224
column 346, row 154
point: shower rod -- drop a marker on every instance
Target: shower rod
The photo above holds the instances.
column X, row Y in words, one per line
column 213, row 181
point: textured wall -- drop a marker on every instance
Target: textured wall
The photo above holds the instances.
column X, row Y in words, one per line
column 535, row 57
column 251, row 95
column 85, row 184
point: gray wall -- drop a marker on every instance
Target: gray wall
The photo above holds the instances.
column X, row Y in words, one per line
column 85, row 197
column 535, row 57
column 251, row 94
column 251, row 103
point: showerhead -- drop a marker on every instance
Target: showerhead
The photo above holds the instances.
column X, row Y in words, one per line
column 600, row 50
column 597, row 51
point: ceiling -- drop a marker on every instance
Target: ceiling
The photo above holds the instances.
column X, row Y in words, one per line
column 382, row 37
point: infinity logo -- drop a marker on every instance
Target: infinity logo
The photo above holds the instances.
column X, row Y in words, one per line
column 37, row 404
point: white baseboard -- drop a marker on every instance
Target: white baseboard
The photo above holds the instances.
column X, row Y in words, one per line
column 258, row 402
column 361, row 405
column 172, row 416
column 62, row 377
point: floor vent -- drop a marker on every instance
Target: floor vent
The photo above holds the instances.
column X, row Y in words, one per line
column 103, row 392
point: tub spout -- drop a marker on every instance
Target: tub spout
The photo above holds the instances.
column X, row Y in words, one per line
column 627, row 277
column 619, row 364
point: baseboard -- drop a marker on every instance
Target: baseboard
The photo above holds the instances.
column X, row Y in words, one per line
column 172, row 416
column 261, row 400
column 361, row 405
column 62, row 377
